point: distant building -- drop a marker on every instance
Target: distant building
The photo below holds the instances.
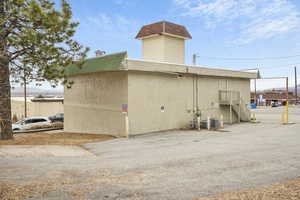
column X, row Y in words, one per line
column 265, row 98
column 158, row 92
column 36, row 107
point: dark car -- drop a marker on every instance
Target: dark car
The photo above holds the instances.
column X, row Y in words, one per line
column 59, row 117
column 274, row 104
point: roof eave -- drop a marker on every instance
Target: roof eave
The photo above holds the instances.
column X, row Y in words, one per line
column 155, row 66
column 177, row 36
column 164, row 33
column 146, row 37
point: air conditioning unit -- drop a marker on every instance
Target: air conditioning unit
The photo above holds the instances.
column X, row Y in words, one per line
column 214, row 123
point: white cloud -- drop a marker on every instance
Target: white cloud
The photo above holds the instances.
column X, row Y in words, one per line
column 125, row 3
column 108, row 31
column 255, row 19
column 119, row 2
column 101, row 19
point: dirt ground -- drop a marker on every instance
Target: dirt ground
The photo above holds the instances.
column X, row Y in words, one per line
column 282, row 191
column 288, row 190
column 54, row 138
column 68, row 188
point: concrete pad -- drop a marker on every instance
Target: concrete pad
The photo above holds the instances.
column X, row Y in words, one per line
column 43, row 151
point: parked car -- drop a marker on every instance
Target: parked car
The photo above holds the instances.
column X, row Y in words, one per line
column 59, row 117
column 31, row 123
column 274, row 104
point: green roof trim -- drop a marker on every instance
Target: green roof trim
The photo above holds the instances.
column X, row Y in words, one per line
column 108, row 62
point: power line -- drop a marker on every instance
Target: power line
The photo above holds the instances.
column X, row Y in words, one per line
column 261, row 58
column 261, row 67
column 279, row 66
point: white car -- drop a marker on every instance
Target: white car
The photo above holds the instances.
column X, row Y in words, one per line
column 29, row 123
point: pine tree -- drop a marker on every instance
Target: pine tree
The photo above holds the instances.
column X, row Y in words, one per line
column 35, row 38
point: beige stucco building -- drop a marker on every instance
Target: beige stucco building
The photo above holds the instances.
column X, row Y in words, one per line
column 116, row 95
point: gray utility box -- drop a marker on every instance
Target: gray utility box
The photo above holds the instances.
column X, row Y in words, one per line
column 214, row 123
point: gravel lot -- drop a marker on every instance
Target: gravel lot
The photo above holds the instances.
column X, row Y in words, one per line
column 166, row 165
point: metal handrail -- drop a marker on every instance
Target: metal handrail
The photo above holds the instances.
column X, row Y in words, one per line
column 229, row 96
column 233, row 98
column 245, row 106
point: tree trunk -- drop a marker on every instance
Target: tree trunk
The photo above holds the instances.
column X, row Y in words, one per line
column 5, row 105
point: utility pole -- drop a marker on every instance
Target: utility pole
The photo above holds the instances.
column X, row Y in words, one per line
column 194, row 59
column 25, row 93
column 287, row 101
column 286, row 121
column 296, row 86
column 255, row 98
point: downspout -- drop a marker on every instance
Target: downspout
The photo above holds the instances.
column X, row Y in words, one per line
column 193, row 95
column 197, row 93
column 198, row 113
column 124, row 66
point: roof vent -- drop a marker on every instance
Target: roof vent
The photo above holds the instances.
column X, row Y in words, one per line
column 100, row 53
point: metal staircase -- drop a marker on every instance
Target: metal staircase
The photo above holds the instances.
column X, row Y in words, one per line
column 236, row 105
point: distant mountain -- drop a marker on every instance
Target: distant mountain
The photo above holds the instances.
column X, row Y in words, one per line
column 19, row 91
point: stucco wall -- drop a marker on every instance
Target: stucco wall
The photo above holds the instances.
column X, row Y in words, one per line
column 164, row 48
column 153, row 48
column 93, row 104
column 148, row 92
column 174, row 50
column 36, row 109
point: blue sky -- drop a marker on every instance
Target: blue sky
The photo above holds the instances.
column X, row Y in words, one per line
column 220, row 28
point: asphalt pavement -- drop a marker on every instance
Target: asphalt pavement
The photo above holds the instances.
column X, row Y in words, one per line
column 169, row 165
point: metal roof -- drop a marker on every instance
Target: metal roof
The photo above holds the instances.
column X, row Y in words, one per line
column 107, row 62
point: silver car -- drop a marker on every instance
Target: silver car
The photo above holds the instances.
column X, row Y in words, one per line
column 29, row 123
